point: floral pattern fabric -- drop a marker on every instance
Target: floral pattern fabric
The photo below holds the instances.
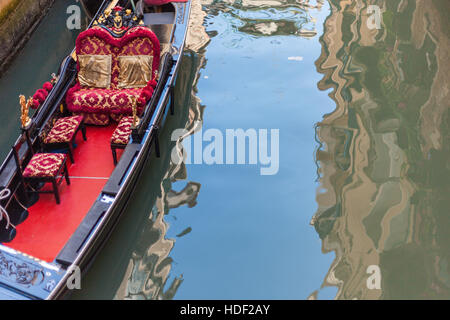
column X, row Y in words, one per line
column 97, row 119
column 123, row 131
column 44, row 165
column 97, row 41
column 63, row 130
column 104, row 100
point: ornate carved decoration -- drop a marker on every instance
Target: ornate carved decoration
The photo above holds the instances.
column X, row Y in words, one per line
column 118, row 21
column 20, row 272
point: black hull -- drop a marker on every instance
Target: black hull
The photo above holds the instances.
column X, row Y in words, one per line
column 91, row 7
column 87, row 241
column 113, row 219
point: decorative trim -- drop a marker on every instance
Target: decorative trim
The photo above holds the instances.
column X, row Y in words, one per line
column 20, row 272
column 118, row 21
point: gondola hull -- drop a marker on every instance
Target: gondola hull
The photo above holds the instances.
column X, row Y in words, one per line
column 23, row 276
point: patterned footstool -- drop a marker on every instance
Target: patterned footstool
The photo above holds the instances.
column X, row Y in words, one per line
column 42, row 168
column 63, row 133
column 121, row 136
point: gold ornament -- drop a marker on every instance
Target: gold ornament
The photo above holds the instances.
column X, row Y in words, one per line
column 24, row 109
column 118, row 21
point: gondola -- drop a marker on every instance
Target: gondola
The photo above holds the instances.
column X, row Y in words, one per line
column 78, row 158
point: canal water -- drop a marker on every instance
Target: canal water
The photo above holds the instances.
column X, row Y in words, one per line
column 363, row 177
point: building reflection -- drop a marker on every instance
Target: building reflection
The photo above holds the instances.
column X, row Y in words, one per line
column 149, row 268
column 149, row 272
column 269, row 17
column 383, row 156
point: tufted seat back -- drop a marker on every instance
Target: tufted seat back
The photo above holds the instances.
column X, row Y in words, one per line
column 101, row 102
column 136, row 41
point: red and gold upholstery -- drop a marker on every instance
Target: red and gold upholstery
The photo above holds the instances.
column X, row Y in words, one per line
column 123, row 131
column 113, row 100
column 63, row 130
column 98, row 119
column 44, row 165
column 116, row 117
column 105, row 101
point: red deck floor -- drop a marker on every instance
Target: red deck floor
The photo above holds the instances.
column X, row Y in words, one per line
column 49, row 226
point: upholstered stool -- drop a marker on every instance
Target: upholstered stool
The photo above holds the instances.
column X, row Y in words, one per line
column 63, row 133
column 121, row 136
column 43, row 167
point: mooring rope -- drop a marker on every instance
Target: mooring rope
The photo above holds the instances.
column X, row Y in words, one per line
column 4, row 194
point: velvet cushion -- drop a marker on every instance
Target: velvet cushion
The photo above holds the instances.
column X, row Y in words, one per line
column 97, row 41
column 95, row 100
column 135, row 71
column 97, row 119
column 63, row 130
column 44, row 165
column 116, row 117
column 95, row 70
column 136, row 41
column 123, row 131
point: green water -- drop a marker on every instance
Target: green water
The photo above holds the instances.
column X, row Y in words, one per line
column 364, row 171
column 41, row 56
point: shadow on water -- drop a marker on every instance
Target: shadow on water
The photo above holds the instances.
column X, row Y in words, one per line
column 384, row 151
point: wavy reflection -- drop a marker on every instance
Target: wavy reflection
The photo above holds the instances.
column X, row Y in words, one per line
column 150, row 266
column 136, row 263
column 149, row 269
column 383, row 160
column 261, row 18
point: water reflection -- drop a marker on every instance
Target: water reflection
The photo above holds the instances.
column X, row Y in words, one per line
column 271, row 18
column 383, row 160
column 138, row 262
column 149, row 269
column 265, row 18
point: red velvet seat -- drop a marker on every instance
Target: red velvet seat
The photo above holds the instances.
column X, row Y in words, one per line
column 121, row 136
column 44, row 165
column 64, row 129
column 123, row 131
column 106, row 101
column 113, row 100
column 63, row 134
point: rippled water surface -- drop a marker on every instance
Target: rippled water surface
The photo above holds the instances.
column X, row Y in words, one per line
column 225, row 231
column 364, row 171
